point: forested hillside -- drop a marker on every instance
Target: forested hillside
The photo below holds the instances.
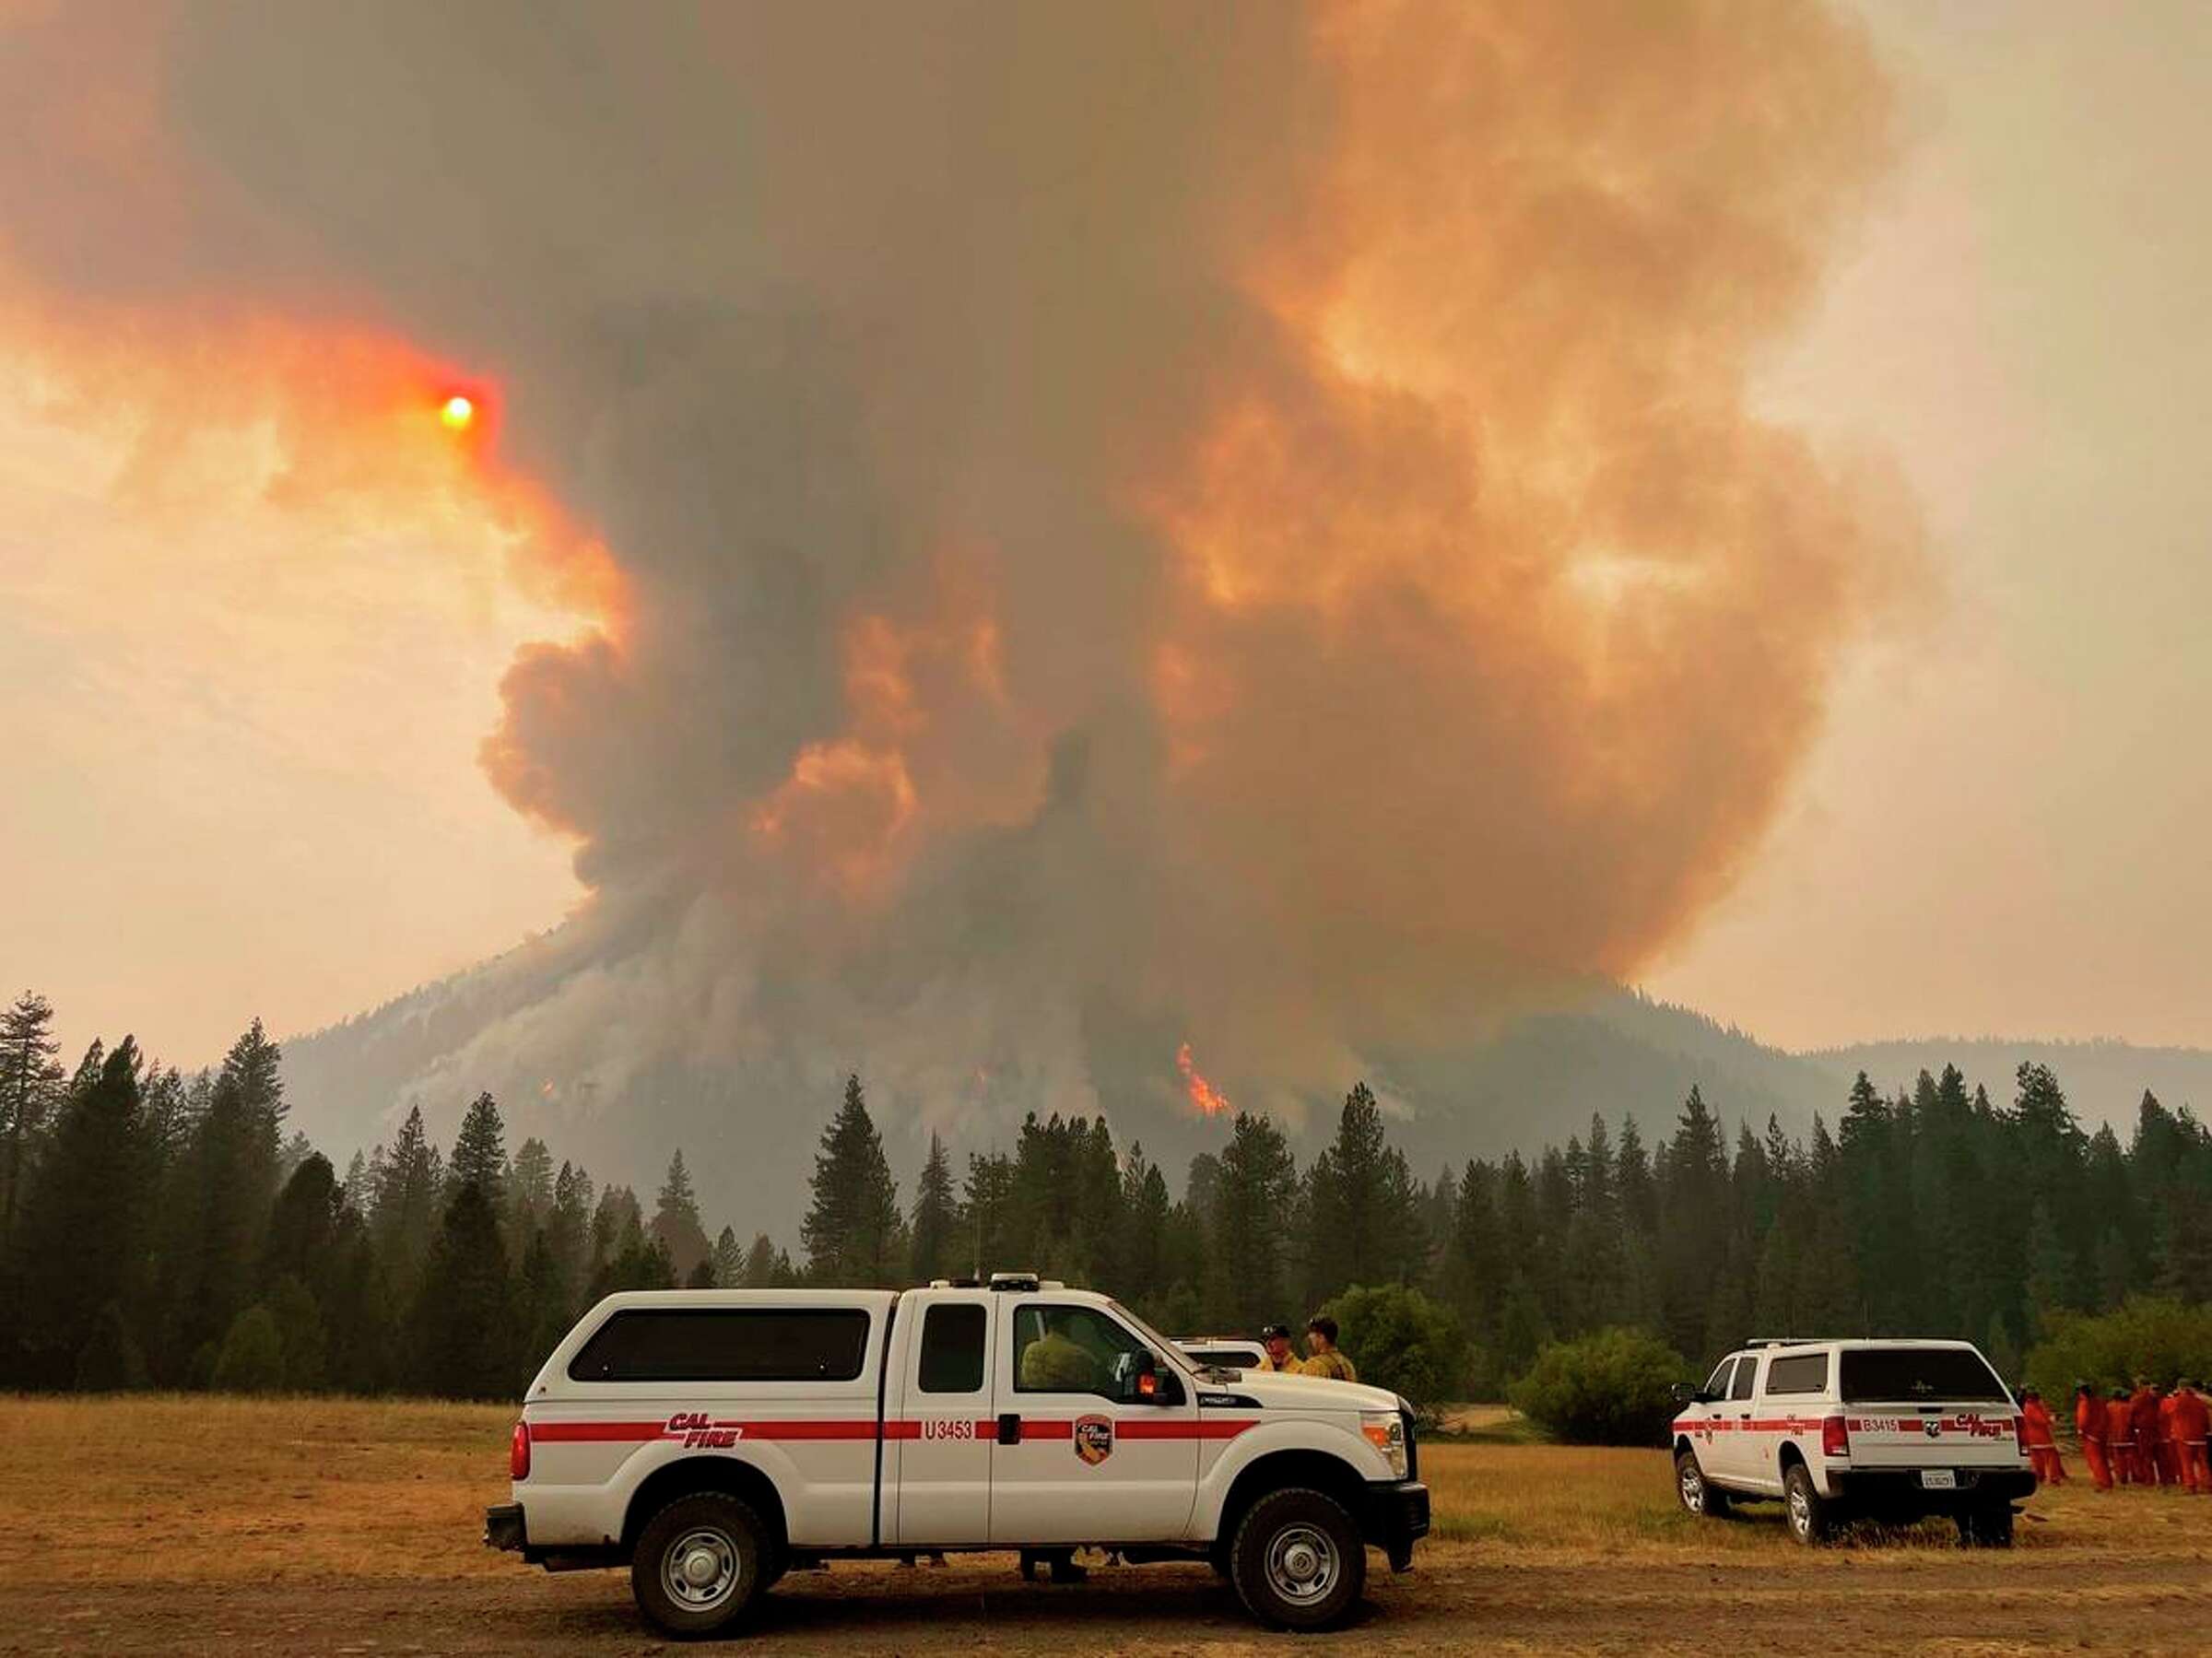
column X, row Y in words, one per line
column 171, row 1230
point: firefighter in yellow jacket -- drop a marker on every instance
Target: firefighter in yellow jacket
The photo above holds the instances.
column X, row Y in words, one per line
column 1280, row 1356
column 1321, row 1357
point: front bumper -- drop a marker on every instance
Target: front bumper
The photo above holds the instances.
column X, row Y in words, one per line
column 1398, row 1514
column 1899, row 1491
column 504, row 1528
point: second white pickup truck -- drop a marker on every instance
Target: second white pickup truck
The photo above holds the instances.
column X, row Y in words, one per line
column 710, row 1440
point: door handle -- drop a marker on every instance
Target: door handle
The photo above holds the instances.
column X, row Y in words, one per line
column 1009, row 1428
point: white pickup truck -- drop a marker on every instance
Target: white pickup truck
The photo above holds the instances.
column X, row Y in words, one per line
column 1839, row 1430
column 710, row 1440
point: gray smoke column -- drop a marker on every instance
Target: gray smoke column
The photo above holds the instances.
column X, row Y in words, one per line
column 1132, row 524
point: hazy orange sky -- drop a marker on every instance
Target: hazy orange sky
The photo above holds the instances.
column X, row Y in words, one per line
column 243, row 772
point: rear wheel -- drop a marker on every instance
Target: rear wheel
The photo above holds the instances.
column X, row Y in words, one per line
column 1297, row 1560
column 1989, row 1527
column 700, row 1565
column 1706, row 1501
column 1806, row 1510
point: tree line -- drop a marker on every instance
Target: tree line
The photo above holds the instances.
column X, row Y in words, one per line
column 157, row 1229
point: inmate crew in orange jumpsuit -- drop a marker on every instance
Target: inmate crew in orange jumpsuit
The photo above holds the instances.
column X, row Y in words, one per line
column 2092, row 1426
column 2043, row 1445
column 2169, row 1448
column 2143, row 1416
column 2123, row 1441
column 2191, row 1422
column 2144, row 1433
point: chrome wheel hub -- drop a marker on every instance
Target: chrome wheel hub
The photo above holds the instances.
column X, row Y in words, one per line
column 1302, row 1564
column 699, row 1570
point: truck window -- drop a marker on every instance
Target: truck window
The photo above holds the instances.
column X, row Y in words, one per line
column 1892, row 1374
column 1747, row 1371
column 725, row 1343
column 952, row 1349
column 1716, row 1386
column 1803, row 1373
column 1067, row 1350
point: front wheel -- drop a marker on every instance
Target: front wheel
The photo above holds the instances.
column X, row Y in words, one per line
column 1297, row 1561
column 1706, row 1501
column 1808, row 1511
column 700, row 1565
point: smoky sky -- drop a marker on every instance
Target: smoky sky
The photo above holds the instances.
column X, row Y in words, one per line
column 1235, row 524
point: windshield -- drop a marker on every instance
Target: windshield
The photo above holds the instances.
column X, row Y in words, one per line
column 1930, row 1375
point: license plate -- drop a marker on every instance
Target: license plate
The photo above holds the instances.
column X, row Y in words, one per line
column 1938, row 1479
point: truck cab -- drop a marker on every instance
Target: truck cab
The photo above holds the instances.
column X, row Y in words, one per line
column 711, row 1439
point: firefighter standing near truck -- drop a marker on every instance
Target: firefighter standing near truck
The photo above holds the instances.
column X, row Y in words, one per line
column 1321, row 1357
column 2092, row 1426
column 2042, row 1445
column 1281, row 1357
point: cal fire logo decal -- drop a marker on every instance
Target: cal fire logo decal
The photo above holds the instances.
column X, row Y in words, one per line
column 1094, row 1438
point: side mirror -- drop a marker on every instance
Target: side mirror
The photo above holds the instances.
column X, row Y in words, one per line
column 1686, row 1392
column 1136, row 1379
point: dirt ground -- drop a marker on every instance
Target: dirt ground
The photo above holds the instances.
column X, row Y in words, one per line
column 187, row 1526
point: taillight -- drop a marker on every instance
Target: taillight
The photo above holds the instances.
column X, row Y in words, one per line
column 2019, row 1433
column 518, row 1451
column 1835, row 1437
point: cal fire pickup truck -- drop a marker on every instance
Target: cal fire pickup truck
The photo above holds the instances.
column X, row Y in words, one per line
column 710, row 1440
column 1839, row 1430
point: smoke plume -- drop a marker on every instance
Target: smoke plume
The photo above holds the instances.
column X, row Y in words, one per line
column 1109, row 527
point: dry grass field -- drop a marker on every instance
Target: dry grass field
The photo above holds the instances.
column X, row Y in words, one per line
column 179, row 1526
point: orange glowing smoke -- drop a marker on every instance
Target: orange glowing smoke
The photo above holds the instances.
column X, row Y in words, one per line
column 1210, row 1101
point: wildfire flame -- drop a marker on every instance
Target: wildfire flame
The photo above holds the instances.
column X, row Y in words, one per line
column 1210, row 1101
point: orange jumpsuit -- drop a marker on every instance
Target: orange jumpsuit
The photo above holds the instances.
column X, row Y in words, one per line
column 2092, row 1426
column 2168, row 1450
column 2143, row 1422
column 2043, row 1446
column 2191, row 1420
column 2122, row 1440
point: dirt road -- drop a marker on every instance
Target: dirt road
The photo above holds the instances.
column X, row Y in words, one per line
column 178, row 1527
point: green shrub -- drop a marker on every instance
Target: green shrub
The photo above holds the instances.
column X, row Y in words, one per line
column 111, row 1361
column 2159, row 1339
column 1397, row 1338
column 1615, row 1387
column 252, row 1355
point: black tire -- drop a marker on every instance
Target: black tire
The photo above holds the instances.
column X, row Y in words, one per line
column 1986, row 1527
column 1804, row 1508
column 702, row 1565
column 1297, row 1561
column 1698, row 1496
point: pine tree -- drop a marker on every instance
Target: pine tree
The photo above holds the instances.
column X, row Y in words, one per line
column 85, row 1221
column 1145, row 1211
column 463, row 1335
column 304, row 1226
column 405, row 1212
column 936, row 1215
column 480, row 1152
column 30, row 1091
column 1248, row 1281
column 1363, row 1227
column 852, row 1229
column 675, row 1223
column 727, row 1262
column 529, row 1194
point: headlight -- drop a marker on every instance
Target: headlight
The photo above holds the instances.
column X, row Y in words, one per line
column 1385, row 1430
